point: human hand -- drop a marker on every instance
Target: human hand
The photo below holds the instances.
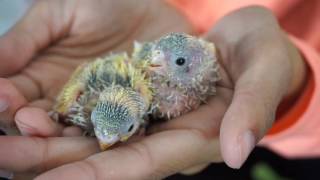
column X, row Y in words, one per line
column 263, row 69
column 55, row 37
column 51, row 40
column 181, row 143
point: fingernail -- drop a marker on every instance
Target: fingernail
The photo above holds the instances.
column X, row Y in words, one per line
column 246, row 144
column 25, row 129
column 6, row 174
column 3, row 105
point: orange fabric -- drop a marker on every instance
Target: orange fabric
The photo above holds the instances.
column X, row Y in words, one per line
column 301, row 139
column 292, row 115
column 296, row 131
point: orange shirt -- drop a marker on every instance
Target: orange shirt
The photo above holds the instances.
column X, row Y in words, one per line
column 297, row 132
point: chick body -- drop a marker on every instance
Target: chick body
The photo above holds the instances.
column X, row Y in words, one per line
column 105, row 97
column 184, row 72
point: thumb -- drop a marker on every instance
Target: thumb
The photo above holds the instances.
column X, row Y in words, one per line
column 40, row 26
column 251, row 112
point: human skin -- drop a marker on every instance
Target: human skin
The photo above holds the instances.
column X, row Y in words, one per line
column 260, row 68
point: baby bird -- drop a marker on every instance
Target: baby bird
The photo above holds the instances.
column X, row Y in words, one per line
column 107, row 98
column 183, row 71
column 111, row 96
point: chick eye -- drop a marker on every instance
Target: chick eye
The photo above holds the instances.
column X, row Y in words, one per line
column 130, row 128
column 180, row 61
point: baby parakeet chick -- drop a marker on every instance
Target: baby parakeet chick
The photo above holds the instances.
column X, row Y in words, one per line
column 107, row 98
column 183, row 70
column 110, row 97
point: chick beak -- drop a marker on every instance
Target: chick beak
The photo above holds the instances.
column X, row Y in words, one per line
column 124, row 138
column 157, row 59
column 155, row 65
column 104, row 146
column 106, row 143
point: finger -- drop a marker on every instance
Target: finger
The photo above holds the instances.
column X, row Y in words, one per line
column 155, row 157
column 72, row 131
column 33, row 121
column 23, row 176
column 29, row 88
column 34, row 31
column 257, row 94
column 21, row 154
column 44, row 104
column 10, row 101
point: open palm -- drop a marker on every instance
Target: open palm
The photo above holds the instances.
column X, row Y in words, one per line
column 40, row 52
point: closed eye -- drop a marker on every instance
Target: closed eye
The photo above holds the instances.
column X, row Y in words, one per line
column 130, row 128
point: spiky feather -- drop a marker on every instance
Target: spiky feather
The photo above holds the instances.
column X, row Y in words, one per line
column 81, row 93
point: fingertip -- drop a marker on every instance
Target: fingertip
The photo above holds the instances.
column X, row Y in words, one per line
column 3, row 105
column 243, row 125
column 36, row 122
column 235, row 148
column 6, row 174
